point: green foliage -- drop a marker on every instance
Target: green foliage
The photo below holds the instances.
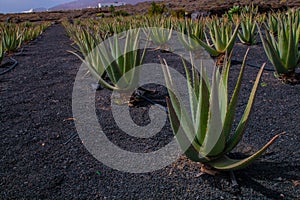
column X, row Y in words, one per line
column 248, row 33
column 31, row 33
column 121, row 13
column 159, row 30
column 234, row 11
column 157, row 9
column 191, row 32
column 282, row 50
column 101, row 15
column 250, row 9
column 112, row 9
column 116, row 61
column 12, row 37
column 205, row 135
column 180, row 13
column 222, row 35
column 272, row 23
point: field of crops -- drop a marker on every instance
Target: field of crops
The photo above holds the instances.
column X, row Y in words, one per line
column 188, row 108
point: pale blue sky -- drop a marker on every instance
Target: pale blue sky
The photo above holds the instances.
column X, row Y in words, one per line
column 12, row 6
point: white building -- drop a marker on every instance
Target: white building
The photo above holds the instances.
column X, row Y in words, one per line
column 103, row 5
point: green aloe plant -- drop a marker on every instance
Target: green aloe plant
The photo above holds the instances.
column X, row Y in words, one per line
column 84, row 39
column 159, row 30
column 272, row 22
column 189, row 29
column 205, row 134
column 282, row 50
column 116, row 60
column 234, row 11
column 222, row 37
column 12, row 37
column 248, row 33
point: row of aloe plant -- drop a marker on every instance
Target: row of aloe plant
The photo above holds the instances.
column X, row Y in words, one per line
column 197, row 133
column 13, row 35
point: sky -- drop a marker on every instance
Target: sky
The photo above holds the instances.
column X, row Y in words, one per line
column 15, row 6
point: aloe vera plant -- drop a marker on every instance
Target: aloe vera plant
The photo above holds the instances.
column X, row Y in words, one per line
column 222, row 37
column 12, row 37
column 116, row 60
column 282, row 50
column 159, row 30
column 272, row 22
column 248, row 33
column 204, row 133
column 84, row 39
column 189, row 30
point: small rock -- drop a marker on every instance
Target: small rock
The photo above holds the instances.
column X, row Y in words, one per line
column 96, row 86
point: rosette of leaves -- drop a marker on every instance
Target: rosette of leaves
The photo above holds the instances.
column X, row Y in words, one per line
column 117, row 57
column 234, row 12
column 205, row 132
column 188, row 30
column 222, row 37
column 159, row 31
column 248, row 33
column 282, row 50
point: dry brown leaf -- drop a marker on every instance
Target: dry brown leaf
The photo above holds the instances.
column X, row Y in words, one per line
column 69, row 119
column 296, row 183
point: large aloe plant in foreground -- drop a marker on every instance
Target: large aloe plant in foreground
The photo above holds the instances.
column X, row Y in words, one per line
column 282, row 50
column 205, row 133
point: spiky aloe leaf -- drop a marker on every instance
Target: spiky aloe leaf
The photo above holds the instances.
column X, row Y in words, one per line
column 248, row 35
column 231, row 42
column 181, row 112
column 214, row 141
column 202, row 114
column 272, row 53
column 212, row 51
column 191, row 149
column 95, row 73
column 225, row 163
column 222, row 37
column 234, row 99
column 237, row 135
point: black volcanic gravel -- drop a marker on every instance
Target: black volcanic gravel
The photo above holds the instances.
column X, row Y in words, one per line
column 38, row 161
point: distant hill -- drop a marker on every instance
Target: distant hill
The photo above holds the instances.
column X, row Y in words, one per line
column 40, row 9
column 79, row 4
